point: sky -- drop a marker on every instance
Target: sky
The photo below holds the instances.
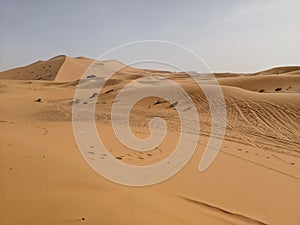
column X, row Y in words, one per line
column 230, row 36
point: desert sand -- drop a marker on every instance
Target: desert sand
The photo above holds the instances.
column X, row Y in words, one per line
column 255, row 179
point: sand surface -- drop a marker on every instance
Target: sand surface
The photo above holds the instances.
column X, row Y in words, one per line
column 255, row 179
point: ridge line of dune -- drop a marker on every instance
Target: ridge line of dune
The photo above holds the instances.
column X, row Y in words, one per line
column 73, row 68
column 61, row 66
column 64, row 60
column 223, row 211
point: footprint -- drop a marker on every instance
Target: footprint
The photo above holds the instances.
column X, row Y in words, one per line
column 90, row 152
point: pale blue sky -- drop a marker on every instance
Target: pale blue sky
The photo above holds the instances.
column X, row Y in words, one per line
column 239, row 36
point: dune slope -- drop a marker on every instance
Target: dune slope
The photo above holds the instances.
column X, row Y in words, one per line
column 255, row 179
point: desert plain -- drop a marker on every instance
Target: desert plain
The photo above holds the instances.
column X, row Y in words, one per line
column 255, row 178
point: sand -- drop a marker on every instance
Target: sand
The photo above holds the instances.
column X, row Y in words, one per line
column 255, row 179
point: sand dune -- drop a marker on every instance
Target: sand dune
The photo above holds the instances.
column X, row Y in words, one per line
column 59, row 68
column 280, row 70
column 40, row 70
column 260, row 83
column 44, row 179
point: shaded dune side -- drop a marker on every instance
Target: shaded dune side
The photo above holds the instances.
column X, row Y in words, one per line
column 60, row 68
column 40, row 70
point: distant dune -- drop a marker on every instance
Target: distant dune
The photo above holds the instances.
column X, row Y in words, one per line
column 64, row 68
column 281, row 70
column 52, row 69
column 59, row 68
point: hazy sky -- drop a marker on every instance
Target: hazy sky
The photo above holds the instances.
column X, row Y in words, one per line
column 229, row 35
